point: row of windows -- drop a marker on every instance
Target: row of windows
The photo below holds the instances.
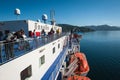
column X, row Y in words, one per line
column 54, row 48
column 42, row 58
column 27, row 72
column 54, row 72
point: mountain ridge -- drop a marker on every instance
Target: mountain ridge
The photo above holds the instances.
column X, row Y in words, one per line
column 105, row 27
column 69, row 27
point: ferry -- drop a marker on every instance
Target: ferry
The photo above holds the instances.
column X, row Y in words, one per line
column 53, row 56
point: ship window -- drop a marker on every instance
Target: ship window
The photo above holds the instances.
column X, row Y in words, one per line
column 42, row 27
column 35, row 25
column 53, row 50
column 38, row 27
column 26, row 73
column 58, row 46
column 42, row 60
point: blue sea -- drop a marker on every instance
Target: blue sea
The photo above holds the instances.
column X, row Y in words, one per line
column 102, row 49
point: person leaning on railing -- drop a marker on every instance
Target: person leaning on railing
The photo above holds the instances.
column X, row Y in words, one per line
column 1, row 35
column 0, row 51
column 43, row 33
column 9, row 44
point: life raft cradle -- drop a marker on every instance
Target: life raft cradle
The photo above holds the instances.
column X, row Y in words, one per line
column 78, row 65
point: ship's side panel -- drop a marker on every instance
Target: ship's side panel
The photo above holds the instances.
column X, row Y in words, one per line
column 54, row 69
column 38, row 26
column 39, row 61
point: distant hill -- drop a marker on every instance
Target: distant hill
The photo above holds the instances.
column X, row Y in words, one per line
column 103, row 28
column 67, row 27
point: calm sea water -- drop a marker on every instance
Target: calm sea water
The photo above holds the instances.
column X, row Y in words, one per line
column 102, row 49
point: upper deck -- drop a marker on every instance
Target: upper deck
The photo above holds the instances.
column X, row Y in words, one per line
column 12, row 50
column 42, row 57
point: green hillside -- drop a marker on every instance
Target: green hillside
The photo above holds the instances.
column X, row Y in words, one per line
column 67, row 27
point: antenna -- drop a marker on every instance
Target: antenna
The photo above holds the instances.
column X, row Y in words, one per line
column 44, row 18
column 17, row 13
column 52, row 14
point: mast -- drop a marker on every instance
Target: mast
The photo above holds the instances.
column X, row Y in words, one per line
column 52, row 14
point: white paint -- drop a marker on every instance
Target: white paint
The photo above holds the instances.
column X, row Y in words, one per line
column 12, row 69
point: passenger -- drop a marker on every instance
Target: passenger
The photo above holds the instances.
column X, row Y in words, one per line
column 52, row 31
column 1, row 35
column 19, row 35
column 34, row 34
column 58, row 31
column 9, row 44
column 0, row 52
column 51, row 34
column 70, row 42
column 36, row 40
column 43, row 33
column 26, row 43
column 23, row 44
column 6, row 44
column 23, row 34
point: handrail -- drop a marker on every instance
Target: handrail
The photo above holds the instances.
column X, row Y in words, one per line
column 14, row 49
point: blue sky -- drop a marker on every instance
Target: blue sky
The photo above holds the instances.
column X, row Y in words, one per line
column 76, row 12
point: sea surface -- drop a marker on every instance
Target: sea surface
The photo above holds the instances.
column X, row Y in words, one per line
column 102, row 49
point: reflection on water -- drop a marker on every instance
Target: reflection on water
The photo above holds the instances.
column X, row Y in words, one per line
column 102, row 49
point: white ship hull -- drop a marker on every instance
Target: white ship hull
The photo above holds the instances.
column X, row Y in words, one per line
column 13, row 68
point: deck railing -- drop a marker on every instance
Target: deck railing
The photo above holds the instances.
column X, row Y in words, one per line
column 13, row 49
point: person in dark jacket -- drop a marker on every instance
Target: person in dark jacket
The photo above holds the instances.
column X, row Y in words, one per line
column 1, row 35
column 9, row 45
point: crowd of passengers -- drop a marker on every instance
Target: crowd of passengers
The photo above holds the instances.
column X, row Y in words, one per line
column 12, row 36
column 9, row 39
